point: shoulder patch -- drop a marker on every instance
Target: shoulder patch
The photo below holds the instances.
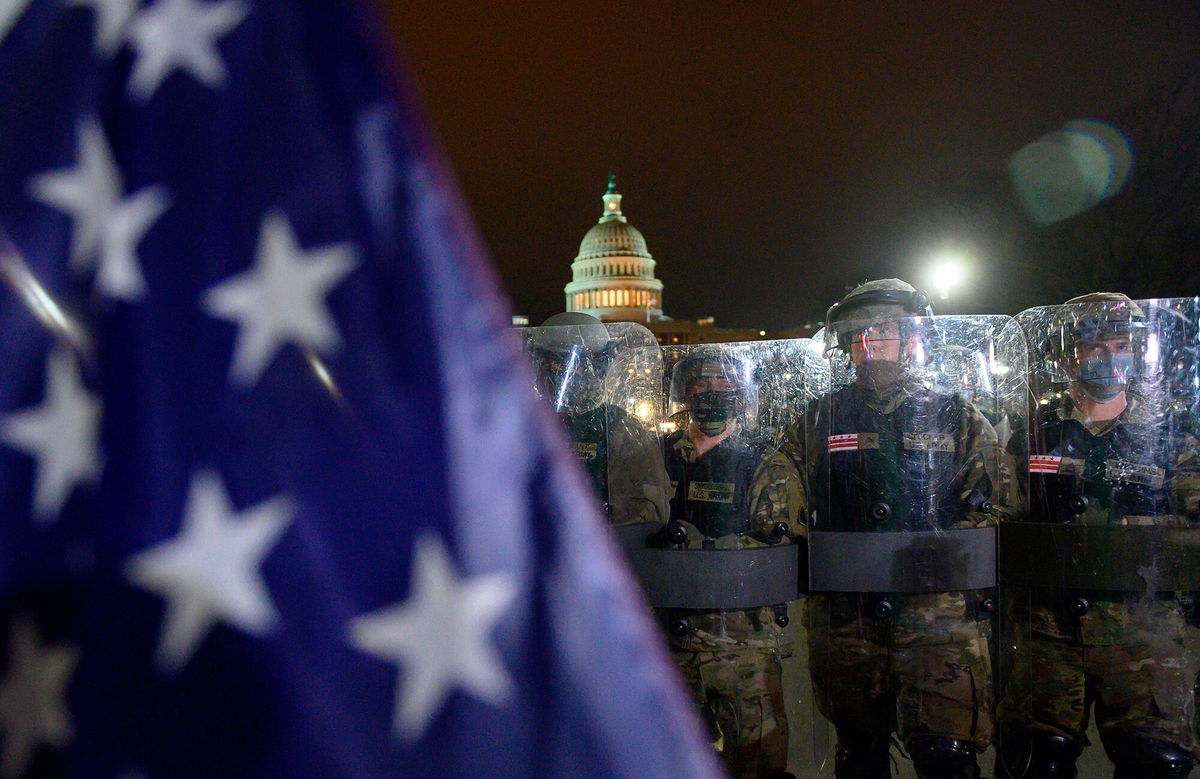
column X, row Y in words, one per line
column 853, row 442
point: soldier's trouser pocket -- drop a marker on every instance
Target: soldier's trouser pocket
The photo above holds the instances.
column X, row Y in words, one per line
column 1058, row 701
column 1146, row 688
column 945, row 690
column 742, row 695
column 850, row 680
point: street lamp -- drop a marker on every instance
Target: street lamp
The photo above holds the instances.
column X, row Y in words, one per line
column 946, row 272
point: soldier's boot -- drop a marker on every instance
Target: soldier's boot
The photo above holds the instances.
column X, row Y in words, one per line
column 1037, row 754
column 862, row 756
column 1136, row 756
column 939, row 757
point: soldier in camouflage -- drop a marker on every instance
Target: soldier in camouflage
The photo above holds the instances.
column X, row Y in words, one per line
column 731, row 491
column 623, row 459
column 1109, row 451
column 888, row 454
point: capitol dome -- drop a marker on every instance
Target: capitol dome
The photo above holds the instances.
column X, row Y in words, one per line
column 613, row 237
column 613, row 275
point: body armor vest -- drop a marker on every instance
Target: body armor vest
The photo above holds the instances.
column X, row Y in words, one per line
column 1123, row 472
column 713, row 493
column 904, row 471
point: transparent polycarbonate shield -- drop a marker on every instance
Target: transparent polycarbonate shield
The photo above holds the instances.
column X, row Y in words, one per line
column 604, row 381
column 723, row 571
column 910, row 472
column 782, row 395
column 1107, row 563
column 718, row 397
column 911, row 441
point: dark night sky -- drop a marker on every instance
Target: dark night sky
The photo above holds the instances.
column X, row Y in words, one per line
column 764, row 149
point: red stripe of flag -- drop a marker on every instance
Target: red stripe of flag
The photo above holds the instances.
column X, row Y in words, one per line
column 846, row 442
column 1044, row 463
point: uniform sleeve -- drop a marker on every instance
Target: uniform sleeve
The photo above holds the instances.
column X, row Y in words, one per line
column 1184, row 482
column 988, row 473
column 638, row 486
column 1016, row 456
column 802, row 447
column 775, row 497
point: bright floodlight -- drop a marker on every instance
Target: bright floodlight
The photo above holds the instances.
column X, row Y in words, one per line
column 946, row 272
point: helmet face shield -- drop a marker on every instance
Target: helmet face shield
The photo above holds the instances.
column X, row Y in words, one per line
column 1102, row 348
column 871, row 341
column 883, row 352
column 578, row 368
column 866, row 324
column 713, row 410
column 715, row 385
column 571, row 380
column 1099, row 346
column 1103, row 364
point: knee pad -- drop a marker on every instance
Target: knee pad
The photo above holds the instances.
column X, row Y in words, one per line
column 940, row 757
column 862, row 756
column 1038, row 754
column 1137, row 755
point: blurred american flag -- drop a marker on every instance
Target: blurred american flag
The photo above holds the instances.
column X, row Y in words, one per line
column 276, row 499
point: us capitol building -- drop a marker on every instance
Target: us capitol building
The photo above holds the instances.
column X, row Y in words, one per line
column 613, row 279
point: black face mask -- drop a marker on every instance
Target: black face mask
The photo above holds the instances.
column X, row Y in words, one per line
column 712, row 411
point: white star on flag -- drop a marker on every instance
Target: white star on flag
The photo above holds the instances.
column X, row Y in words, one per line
column 210, row 571
column 107, row 227
column 33, row 697
column 119, row 275
column 281, row 300
column 87, row 192
column 61, row 434
column 112, row 17
column 10, row 12
column 180, row 34
column 440, row 636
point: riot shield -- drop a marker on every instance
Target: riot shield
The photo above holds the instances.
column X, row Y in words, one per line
column 793, row 374
column 1101, row 578
column 908, row 479
column 604, row 381
column 722, row 572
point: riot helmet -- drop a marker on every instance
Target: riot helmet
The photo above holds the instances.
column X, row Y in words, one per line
column 882, row 300
column 872, row 325
column 715, row 385
column 571, row 352
column 1098, row 341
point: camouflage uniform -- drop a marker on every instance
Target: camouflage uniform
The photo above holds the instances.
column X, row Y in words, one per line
column 580, row 364
column 624, row 463
column 1134, row 656
column 927, row 670
column 731, row 660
